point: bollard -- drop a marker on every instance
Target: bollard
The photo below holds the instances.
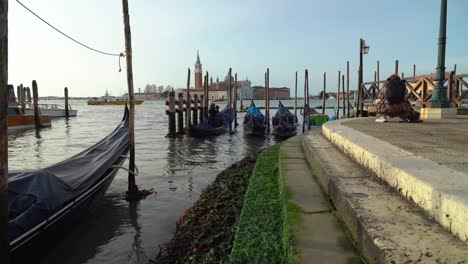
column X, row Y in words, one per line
column 171, row 114
column 180, row 114
column 37, row 120
column 67, row 114
column 195, row 110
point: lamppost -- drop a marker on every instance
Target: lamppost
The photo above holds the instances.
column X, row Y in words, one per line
column 439, row 93
column 363, row 49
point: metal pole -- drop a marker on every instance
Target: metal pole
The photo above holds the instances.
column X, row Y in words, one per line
column 67, row 114
column 132, row 187
column 359, row 111
column 37, row 119
column 439, row 93
column 4, row 245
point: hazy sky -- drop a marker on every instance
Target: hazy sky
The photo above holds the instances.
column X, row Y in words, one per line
column 249, row 36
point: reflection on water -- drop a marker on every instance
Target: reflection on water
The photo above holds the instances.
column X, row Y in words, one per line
column 177, row 169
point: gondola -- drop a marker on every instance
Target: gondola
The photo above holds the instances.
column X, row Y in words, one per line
column 284, row 122
column 45, row 203
column 214, row 127
column 254, row 121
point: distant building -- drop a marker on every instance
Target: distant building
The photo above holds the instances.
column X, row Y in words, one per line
column 281, row 93
column 219, row 90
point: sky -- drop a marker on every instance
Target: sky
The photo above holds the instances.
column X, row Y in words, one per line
column 249, row 36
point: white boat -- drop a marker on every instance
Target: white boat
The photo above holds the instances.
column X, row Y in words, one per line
column 53, row 110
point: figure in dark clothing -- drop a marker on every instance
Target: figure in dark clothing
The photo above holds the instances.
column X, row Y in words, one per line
column 390, row 103
column 212, row 114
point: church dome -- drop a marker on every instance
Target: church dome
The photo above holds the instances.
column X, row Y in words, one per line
column 226, row 79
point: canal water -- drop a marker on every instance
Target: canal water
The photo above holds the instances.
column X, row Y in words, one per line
column 176, row 169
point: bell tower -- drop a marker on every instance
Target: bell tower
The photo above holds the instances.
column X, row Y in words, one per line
column 198, row 73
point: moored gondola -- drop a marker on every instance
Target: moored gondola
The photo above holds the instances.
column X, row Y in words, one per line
column 214, row 125
column 254, row 121
column 284, row 122
column 45, row 203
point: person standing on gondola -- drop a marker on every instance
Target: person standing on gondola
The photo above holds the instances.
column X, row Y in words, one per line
column 212, row 114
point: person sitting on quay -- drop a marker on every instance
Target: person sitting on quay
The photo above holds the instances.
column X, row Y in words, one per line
column 391, row 102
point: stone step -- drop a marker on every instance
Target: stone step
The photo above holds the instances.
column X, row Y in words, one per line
column 386, row 227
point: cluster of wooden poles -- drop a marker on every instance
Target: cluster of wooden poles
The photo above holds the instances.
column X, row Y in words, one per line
column 196, row 108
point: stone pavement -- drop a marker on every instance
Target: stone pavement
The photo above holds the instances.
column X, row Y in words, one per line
column 319, row 236
column 426, row 163
column 442, row 141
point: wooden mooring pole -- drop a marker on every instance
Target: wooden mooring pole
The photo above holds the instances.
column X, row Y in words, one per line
column 188, row 102
column 324, row 91
column 180, row 114
column 268, row 98
column 171, row 114
column 235, row 100
column 308, row 102
column 344, row 96
column 37, row 119
column 378, row 73
column 132, row 187
column 67, row 114
column 396, row 67
column 348, row 105
column 207, row 97
column 230, row 100
column 4, row 215
column 338, row 96
column 295, row 96
column 22, row 102
column 414, row 70
column 201, row 105
column 305, row 110
column 195, row 110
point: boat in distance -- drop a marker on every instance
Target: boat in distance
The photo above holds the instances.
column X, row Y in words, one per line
column 110, row 100
column 45, row 203
column 54, row 110
column 254, row 121
column 18, row 122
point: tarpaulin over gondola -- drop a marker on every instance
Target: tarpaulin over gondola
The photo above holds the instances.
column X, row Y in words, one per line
column 35, row 195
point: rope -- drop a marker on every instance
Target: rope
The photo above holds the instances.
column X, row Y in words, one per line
column 76, row 41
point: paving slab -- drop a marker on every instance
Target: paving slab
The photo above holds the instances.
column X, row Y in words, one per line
column 319, row 237
column 442, row 191
column 386, row 227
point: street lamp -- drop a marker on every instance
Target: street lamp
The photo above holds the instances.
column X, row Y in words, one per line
column 363, row 49
column 439, row 93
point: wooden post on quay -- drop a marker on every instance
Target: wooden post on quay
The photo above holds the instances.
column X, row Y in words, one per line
column 230, row 99
column 195, row 110
column 338, row 96
column 396, row 67
column 378, row 73
column 357, row 101
column 235, row 100
column 180, row 114
column 4, row 215
column 171, row 114
column 295, row 97
column 308, row 102
column 67, row 114
column 132, row 187
column 37, row 119
column 202, row 108
column 188, row 102
column 347, row 89
column 450, row 86
column 344, row 96
column 324, row 91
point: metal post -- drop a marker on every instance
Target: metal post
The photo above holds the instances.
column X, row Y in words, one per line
column 37, row 119
column 439, row 93
column 188, row 102
column 295, row 97
column 361, row 45
column 4, row 245
column 323, row 92
column 132, row 187
column 67, row 114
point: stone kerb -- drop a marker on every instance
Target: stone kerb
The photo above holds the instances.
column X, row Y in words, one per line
column 442, row 192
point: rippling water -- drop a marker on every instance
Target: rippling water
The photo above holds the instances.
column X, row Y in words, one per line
column 177, row 169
